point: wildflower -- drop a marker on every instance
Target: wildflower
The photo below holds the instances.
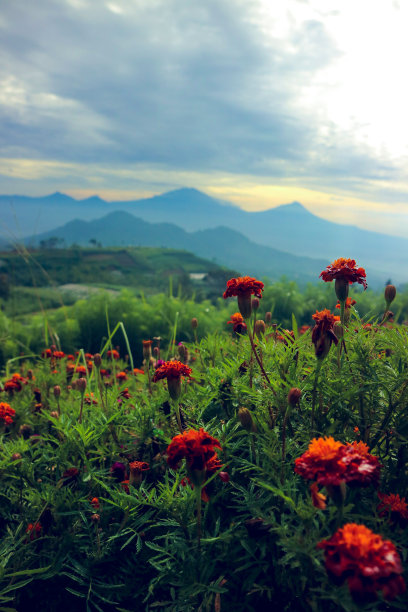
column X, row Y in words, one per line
column 365, row 560
column 393, row 505
column 243, row 288
column 323, row 332
column 237, row 320
column 121, row 376
column 136, row 471
column 345, row 273
column 6, row 413
column 330, row 462
column 114, row 354
column 196, row 447
column 33, row 530
column 95, row 503
column 349, row 303
column 173, row 371
column 318, row 499
column 58, row 354
column 125, row 393
column 47, row 353
column 80, row 369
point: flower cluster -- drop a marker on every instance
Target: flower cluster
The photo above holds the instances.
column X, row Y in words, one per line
column 15, row 383
column 344, row 269
column 330, row 462
column 367, row 562
column 6, row 413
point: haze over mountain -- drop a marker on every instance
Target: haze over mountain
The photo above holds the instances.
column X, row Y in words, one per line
column 290, row 228
column 222, row 245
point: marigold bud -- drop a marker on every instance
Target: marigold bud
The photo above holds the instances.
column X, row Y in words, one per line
column 246, row 420
column 294, row 396
column 194, row 323
column 25, row 431
column 338, row 330
column 81, row 385
column 57, row 391
column 260, row 327
column 97, row 360
column 95, row 518
column 54, row 414
column 389, row 293
column 147, row 349
column 16, row 457
column 255, row 303
column 183, row 353
column 268, row 317
column 30, row 374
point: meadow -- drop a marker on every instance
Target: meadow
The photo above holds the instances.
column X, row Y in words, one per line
column 160, row 452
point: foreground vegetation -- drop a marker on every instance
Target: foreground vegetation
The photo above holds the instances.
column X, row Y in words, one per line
column 113, row 498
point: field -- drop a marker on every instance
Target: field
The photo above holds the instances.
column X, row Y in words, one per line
column 163, row 453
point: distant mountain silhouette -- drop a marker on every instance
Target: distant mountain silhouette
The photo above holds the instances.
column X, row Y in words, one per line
column 290, row 228
column 222, row 245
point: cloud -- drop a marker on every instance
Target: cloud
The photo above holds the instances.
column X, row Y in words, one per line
column 203, row 88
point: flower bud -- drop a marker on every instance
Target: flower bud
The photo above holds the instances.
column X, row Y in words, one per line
column 246, row 420
column 95, row 518
column 54, row 414
column 294, row 396
column 16, row 457
column 57, row 391
column 260, row 327
column 268, row 317
column 389, row 293
column 30, row 374
column 147, row 349
column 81, row 385
column 183, row 352
column 194, row 323
column 338, row 330
column 255, row 303
column 97, row 360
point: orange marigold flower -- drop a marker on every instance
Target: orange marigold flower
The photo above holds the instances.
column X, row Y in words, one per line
column 95, row 503
column 137, row 371
column 137, row 467
column 243, row 285
column 34, row 530
column 6, row 413
column 349, row 303
column 121, row 376
column 330, row 462
column 80, row 369
column 365, row 560
column 237, row 320
column 196, row 447
column 393, row 505
column 58, row 354
column 318, row 499
column 323, row 333
column 113, row 353
column 344, row 269
column 171, row 369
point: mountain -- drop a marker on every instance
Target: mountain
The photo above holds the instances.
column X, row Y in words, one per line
column 221, row 245
column 290, row 228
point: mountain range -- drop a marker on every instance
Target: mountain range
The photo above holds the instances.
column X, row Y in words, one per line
column 289, row 228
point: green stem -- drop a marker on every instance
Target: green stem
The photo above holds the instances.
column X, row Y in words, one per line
column 314, row 392
column 264, row 374
column 198, row 506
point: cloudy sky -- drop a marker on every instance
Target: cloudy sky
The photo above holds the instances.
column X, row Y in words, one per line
column 260, row 102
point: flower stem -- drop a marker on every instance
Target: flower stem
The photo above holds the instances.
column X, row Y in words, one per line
column 264, row 374
column 314, row 392
column 198, row 506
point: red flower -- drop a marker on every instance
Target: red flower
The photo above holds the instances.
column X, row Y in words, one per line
column 137, row 467
column 393, row 505
column 80, row 369
column 121, row 376
column 196, row 447
column 71, row 473
column 366, row 561
column 344, row 269
column 90, row 399
column 114, row 354
column 95, row 503
column 172, row 370
column 6, row 413
column 34, row 530
column 136, row 371
column 237, row 320
column 58, row 354
column 243, row 285
column 330, row 462
column 323, row 334
column 349, row 303
column 318, row 499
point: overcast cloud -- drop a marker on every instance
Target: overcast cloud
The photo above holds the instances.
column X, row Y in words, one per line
column 212, row 87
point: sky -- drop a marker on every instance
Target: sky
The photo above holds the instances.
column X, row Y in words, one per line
column 258, row 102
